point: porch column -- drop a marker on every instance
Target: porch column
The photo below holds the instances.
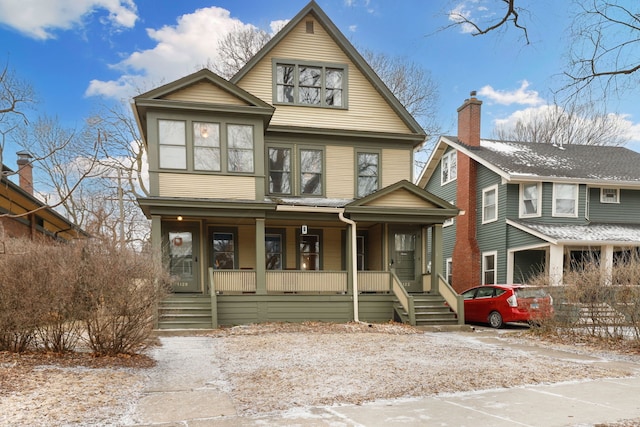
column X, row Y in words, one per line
column 156, row 237
column 556, row 264
column 607, row 264
column 261, row 270
column 436, row 257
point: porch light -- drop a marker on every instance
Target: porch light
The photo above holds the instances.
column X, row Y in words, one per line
column 179, row 217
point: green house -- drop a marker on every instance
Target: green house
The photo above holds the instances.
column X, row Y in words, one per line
column 286, row 193
column 528, row 208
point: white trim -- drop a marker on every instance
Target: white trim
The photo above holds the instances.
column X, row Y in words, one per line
column 511, row 257
column 448, row 272
column 538, row 212
column 576, row 199
column 449, row 156
column 449, row 221
column 604, row 201
column 532, row 232
column 494, row 254
column 493, row 188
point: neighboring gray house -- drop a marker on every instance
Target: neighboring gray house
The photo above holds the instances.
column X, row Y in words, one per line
column 528, row 207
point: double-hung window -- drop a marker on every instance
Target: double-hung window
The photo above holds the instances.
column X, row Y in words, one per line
column 565, row 200
column 314, row 84
column 310, row 172
column 489, row 269
column 240, row 148
column 294, row 170
column 490, row 204
column 449, row 167
column 367, row 173
column 530, row 199
column 173, row 144
column 206, row 146
column 224, row 250
column 279, row 170
column 309, row 251
column 274, row 247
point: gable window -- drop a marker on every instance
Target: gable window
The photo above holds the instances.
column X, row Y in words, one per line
column 206, row 146
column 279, row 170
column 173, row 144
column 449, row 167
column 240, row 148
column 565, row 200
column 274, row 245
column 314, row 84
column 311, row 172
column 530, row 199
column 367, row 173
column 489, row 269
column 490, row 204
column 609, row 195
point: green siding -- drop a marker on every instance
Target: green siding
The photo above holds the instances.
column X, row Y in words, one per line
column 528, row 264
column 547, row 206
column 517, row 238
column 624, row 212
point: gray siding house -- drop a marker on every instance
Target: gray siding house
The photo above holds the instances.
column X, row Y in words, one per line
column 528, row 208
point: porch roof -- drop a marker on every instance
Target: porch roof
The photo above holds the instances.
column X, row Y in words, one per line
column 593, row 233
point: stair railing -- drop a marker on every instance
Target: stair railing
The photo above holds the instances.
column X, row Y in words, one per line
column 404, row 298
column 214, row 300
column 453, row 299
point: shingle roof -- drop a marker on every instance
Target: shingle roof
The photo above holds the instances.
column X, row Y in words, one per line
column 585, row 162
column 594, row 232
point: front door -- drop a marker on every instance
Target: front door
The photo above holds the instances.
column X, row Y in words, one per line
column 404, row 255
column 183, row 252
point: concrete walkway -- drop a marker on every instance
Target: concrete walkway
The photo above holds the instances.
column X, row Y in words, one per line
column 188, row 391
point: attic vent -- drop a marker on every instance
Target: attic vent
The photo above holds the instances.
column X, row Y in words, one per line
column 309, row 27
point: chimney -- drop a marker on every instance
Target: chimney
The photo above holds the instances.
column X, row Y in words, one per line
column 25, row 171
column 467, row 268
column 469, row 121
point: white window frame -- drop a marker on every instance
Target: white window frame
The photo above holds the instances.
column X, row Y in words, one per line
column 452, row 172
column 603, row 199
column 486, row 220
column 493, row 254
column 448, row 267
column 449, row 221
column 576, row 199
column 538, row 211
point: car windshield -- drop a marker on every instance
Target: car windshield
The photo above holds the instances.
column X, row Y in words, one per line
column 530, row 293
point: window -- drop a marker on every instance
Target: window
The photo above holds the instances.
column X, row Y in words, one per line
column 311, row 172
column 449, row 167
column 309, row 251
column 609, row 195
column 279, row 170
column 489, row 268
column 240, row 148
column 565, row 200
column 449, row 270
column 224, row 254
column 310, row 84
column 273, row 243
column 173, row 144
column 367, row 173
column 206, row 146
column 490, row 204
column 360, row 252
column 530, row 200
column 449, row 221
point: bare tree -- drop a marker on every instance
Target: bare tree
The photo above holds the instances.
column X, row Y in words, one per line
column 16, row 97
column 237, row 48
column 510, row 14
column 553, row 124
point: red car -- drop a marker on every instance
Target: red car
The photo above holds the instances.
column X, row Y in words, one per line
column 499, row 304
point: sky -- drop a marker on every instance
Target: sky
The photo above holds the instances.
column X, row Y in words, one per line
column 77, row 54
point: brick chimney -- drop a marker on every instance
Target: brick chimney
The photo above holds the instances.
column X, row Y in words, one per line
column 467, row 269
column 25, row 171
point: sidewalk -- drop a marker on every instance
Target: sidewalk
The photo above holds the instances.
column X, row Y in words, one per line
column 189, row 391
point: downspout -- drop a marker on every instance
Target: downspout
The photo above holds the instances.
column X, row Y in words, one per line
column 354, row 263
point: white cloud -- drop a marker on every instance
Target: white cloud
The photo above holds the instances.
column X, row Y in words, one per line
column 180, row 49
column 39, row 19
column 520, row 96
column 353, row 28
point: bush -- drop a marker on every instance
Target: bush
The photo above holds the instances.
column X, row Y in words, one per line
column 53, row 295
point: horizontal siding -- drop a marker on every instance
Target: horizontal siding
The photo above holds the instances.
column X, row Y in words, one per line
column 340, row 172
column 401, row 199
column 367, row 108
column 205, row 92
column 624, row 212
column 396, row 166
column 207, row 186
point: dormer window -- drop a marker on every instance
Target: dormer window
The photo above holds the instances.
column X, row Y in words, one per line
column 310, row 84
column 609, row 195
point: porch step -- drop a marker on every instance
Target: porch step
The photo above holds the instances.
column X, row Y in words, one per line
column 185, row 312
column 430, row 310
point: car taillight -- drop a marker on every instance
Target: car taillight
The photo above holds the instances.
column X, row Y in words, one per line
column 512, row 301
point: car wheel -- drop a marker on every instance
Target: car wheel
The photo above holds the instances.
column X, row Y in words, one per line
column 495, row 320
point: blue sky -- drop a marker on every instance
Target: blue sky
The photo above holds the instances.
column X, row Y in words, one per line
column 80, row 53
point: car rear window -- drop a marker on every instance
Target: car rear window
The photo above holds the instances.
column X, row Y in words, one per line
column 530, row 293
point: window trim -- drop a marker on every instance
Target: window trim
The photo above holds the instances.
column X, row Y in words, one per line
column 323, row 171
column 538, row 212
column 310, row 232
column 447, row 156
column 358, row 152
column 576, row 200
column 184, row 147
column 227, row 230
column 275, row 62
column 292, row 168
column 449, row 221
column 486, row 190
column 448, row 269
column 493, row 254
column 603, row 200
column 283, row 243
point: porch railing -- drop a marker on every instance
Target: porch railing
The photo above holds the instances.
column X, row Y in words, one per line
column 307, row 281
column 374, row 281
column 455, row 301
column 234, row 280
